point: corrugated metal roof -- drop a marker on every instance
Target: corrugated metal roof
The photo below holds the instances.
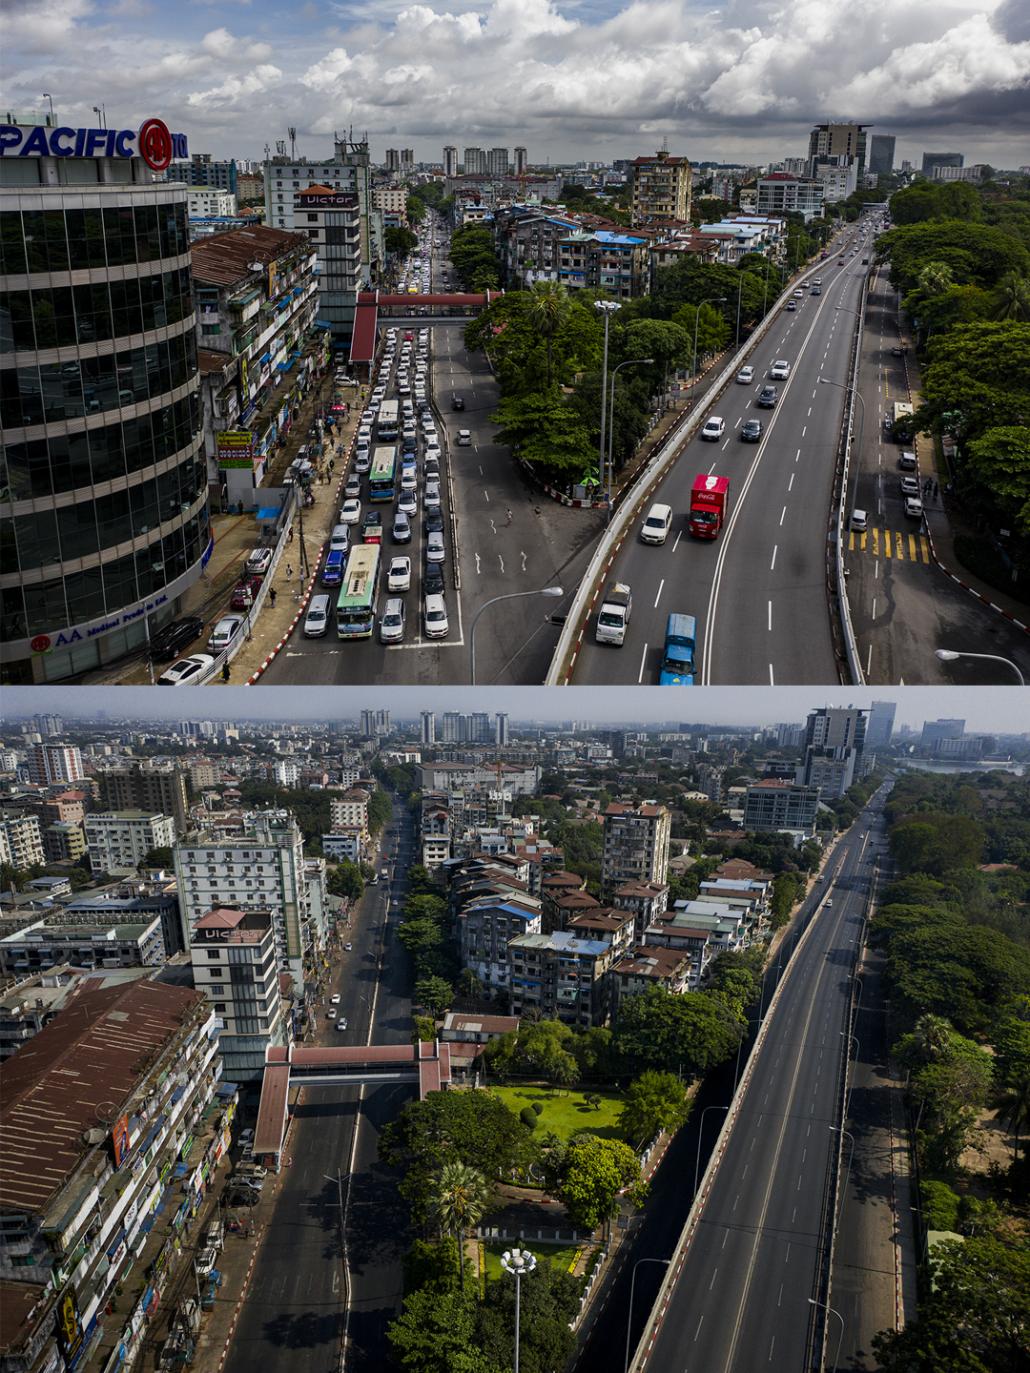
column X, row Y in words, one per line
column 222, row 259
column 76, row 1075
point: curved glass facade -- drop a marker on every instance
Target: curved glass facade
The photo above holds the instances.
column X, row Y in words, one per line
column 103, row 486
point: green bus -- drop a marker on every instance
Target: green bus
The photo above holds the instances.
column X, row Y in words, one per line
column 381, row 475
column 355, row 607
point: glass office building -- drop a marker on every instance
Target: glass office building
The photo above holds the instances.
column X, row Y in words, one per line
column 103, row 489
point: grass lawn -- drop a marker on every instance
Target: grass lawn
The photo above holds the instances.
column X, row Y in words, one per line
column 561, row 1254
column 566, row 1112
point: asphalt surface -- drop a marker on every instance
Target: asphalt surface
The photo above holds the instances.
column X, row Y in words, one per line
column 903, row 605
column 309, row 1290
column 539, row 544
column 758, row 591
column 740, row 1301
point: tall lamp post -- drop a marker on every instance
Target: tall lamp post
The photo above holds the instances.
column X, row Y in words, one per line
column 517, row 1262
column 740, row 287
column 844, row 1134
column 711, row 300
column 632, row 1284
column 846, row 386
column 700, row 1132
column 48, row 96
column 607, row 309
column 556, row 591
column 840, row 1339
column 948, row 655
column 630, row 362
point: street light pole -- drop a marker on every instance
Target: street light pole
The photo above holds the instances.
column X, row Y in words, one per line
column 846, row 386
column 517, row 1262
column 845, row 1134
column 948, row 655
column 840, row 1340
column 710, row 300
column 630, row 362
column 607, row 309
column 700, row 1132
column 740, row 287
column 555, row 591
column 632, row 1285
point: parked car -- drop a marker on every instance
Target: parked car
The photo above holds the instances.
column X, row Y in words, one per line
column 352, row 487
column 859, row 521
column 434, row 520
column 342, row 1024
column 339, row 539
column 174, row 637
column 259, row 560
column 913, row 508
column 433, row 579
column 186, row 671
column 244, row 593
column 316, row 621
column 909, row 486
column 224, row 632
column 434, row 617
column 431, row 496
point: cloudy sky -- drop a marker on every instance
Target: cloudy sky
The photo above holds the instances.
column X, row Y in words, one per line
column 742, row 81
column 985, row 709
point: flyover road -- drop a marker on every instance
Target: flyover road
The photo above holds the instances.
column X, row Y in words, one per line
column 739, row 1303
column 758, row 591
column 310, row 1292
column 507, row 536
column 903, row 605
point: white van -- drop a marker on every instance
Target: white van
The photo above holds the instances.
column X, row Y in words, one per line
column 656, row 526
column 316, row 621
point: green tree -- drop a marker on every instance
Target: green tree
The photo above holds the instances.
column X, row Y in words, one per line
column 549, row 1299
column 435, row 1333
column 1012, row 297
column 435, row 994
column 974, row 1317
column 346, row 880
column 948, row 1093
column 594, row 1172
column 1000, row 461
column 459, row 1202
column 422, row 939
column 689, row 1033
column 652, row 1102
column 380, row 808
column 432, row 1264
column 546, row 431
column 399, row 242
column 159, row 858
column 548, row 310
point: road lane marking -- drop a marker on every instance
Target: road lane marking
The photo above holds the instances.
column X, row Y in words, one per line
column 783, row 516
column 661, row 584
column 769, row 617
column 643, row 662
column 679, row 535
column 773, row 563
column 790, row 484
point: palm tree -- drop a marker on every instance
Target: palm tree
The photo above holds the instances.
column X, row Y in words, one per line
column 1012, row 1103
column 459, row 1201
column 548, row 309
column 1013, row 297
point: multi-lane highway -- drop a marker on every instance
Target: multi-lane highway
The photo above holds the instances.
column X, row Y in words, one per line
column 739, row 1302
column 310, row 1293
column 758, row 591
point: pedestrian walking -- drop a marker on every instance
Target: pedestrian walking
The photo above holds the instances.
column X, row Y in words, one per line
column 289, row 572
column 508, row 516
column 332, row 464
column 271, row 598
column 292, row 532
column 225, row 672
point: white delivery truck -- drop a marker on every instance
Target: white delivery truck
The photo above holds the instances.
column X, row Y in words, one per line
column 613, row 617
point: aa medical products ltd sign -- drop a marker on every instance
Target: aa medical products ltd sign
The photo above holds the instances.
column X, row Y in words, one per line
column 152, row 141
column 235, row 448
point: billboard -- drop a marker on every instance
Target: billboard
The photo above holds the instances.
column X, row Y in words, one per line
column 152, row 141
column 235, row 447
column 120, row 1139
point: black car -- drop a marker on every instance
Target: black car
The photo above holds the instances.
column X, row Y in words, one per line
column 432, row 580
column 457, row 403
column 434, row 521
column 174, row 637
column 371, row 524
column 767, row 397
column 752, row 431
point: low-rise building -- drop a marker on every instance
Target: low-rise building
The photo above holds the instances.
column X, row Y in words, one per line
column 345, row 845
column 560, row 976
column 650, row 966
column 21, row 840
column 773, row 804
column 467, row 1034
column 606, row 924
column 648, row 902
column 486, row 927
column 43, row 945
column 782, row 193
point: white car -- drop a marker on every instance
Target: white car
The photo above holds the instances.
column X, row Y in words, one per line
column 334, row 1000
column 350, row 512
column 408, row 503
column 342, row 1024
column 464, row 438
column 399, row 576
column 186, row 671
column 436, row 550
column 434, row 616
column 431, row 497
column 432, row 450
column 409, row 478
column 391, row 622
column 746, row 376
column 714, row 429
column 780, row 370
column 913, row 507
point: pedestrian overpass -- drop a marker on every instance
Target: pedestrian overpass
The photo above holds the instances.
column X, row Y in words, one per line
column 377, row 307
column 426, row 1065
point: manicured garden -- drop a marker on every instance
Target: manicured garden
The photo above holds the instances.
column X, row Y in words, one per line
column 567, row 1112
column 563, row 1256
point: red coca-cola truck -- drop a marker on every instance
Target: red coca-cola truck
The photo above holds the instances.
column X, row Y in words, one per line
column 709, row 501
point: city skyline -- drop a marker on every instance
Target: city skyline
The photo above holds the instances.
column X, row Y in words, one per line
column 986, row 710
column 569, row 80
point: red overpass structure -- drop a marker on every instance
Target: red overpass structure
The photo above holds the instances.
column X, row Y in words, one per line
column 427, row 1065
column 402, row 305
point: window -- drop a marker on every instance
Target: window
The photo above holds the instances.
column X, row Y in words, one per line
column 214, row 953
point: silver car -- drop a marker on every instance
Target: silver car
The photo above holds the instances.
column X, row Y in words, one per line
column 391, row 623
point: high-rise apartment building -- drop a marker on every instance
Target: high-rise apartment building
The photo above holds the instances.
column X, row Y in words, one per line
column 881, row 153
column 880, row 727
column 838, row 140
column 450, row 160
column 475, row 162
column 258, row 867
column 661, row 188
column 375, row 723
column 521, row 161
column 428, row 727
column 407, row 159
column 119, row 841
column 50, row 763
column 151, row 788
column 497, row 162
column 636, row 846
column 932, row 160
column 21, row 841
column 934, row 731
column 49, row 726
column 393, row 160
column 105, row 484
column 501, row 730
column 234, row 965
column 779, row 805
column 834, row 742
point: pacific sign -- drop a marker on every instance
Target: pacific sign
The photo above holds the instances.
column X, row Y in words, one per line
column 151, row 141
